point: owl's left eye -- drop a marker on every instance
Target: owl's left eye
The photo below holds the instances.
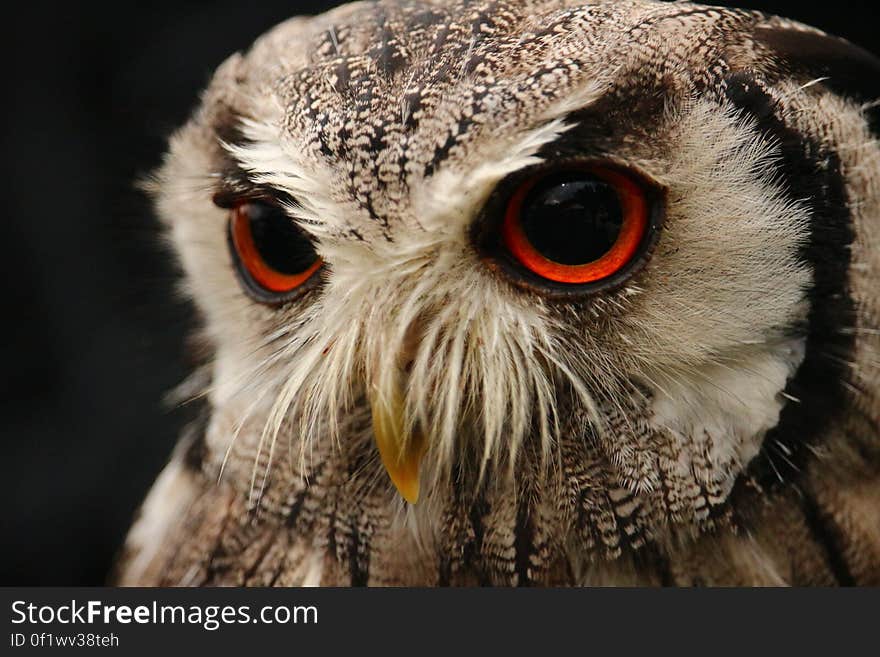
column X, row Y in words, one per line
column 577, row 229
column 274, row 258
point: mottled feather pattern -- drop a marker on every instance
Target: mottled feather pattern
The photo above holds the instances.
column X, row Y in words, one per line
column 714, row 420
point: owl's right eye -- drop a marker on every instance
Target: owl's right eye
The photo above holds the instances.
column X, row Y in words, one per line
column 274, row 258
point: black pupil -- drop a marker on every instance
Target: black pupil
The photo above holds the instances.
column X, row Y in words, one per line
column 572, row 218
column 280, row 242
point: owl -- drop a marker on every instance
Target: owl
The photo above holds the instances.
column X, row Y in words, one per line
column 526, row 293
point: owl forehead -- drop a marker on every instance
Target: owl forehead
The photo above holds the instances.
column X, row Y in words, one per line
column 380, row 96
column 399, row 90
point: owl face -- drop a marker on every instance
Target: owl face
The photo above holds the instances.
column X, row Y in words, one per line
column 476, row 237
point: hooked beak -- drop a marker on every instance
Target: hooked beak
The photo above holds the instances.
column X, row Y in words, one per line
column 401, row 453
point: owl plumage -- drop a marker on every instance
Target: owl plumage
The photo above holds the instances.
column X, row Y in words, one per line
column 710, row 416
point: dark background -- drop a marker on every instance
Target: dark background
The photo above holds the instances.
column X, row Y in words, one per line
column 93, row 336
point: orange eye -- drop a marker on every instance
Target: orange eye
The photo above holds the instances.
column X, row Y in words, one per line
column 274, row 257
column 577, row 226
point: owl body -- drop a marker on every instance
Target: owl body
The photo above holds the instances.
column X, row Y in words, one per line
column 705, row 413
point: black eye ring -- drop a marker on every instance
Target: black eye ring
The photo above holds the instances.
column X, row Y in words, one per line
column 274, row 258
column 571, row 229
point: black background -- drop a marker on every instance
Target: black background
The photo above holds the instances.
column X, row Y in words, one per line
column 93, row 335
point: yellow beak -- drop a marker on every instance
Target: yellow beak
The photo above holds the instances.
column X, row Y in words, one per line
column 401, row 453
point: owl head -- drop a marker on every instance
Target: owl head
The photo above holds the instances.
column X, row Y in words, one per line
column 632, row 244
